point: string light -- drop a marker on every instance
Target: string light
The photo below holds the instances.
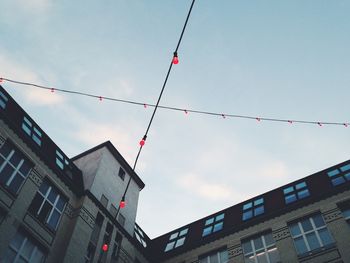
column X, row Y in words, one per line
column 52, row 90
column 175, row 58
column 145, row 105
column 105, row 247
column 122, row 202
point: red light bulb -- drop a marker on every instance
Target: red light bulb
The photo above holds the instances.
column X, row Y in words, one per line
column 175, row 59
column 1, row 80
column 105, row 247
column 142, row 142
column 122, row 204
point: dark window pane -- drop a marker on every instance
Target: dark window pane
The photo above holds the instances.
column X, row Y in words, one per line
column 27, row 249
column 269, row 239
column 60, row 203
column 44, row 213
column 290, row 198
column 288, row 190
column 259, row 210
column 52, row 196
column 44, row 187
column 5, row 149
column 318, row 220
column 258, row 244
column 54, row 220
column 35, row 205
column 207, row 231
column 247, row 247
column 247, row 214
column 17, row 241
column 306, row 225
column 259, row 201
column 16, row 183
column 247, row 206
column 300, row 185
column 294, row 230
column 325, row 237
column 5, row 174
column 337, row 181
column 303, row 194
column 218, row 226
column 300, row 245
column 15, row 159
column 333, row 173
column 25, row 167
column 209, row 221
column 312, row 241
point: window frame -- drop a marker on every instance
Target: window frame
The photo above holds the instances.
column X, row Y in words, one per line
column 211, row 223
column 303, row 234
column 45, row 199
column 33, row 131
column 16, row 168
column 25, row 240
column 340, row 175
column 295, row 191
column 265, row 249
column 218, row 253
column 253, row 208
column 176, row 239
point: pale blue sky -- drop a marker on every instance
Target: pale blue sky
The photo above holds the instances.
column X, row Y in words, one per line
column 279, row 59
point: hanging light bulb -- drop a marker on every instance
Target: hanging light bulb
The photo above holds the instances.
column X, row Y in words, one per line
column 175, row 58
column 143, row 141
column 104, row 247
column 122, row 203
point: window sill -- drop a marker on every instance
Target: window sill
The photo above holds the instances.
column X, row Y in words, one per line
column 316, row 252
column 43, row 225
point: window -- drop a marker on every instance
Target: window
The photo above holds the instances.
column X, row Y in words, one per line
column 104, row 200
column 340, row 176
column 90, row 252
column 213, row 224
column 3, row 100
column 113, row 210
column 121, row 219
column 310, row 234
column 48, row 205
column 107, row 239
column 116, row 247
column 176, row 239
column 31, row 130
column 121, row 173
column 14, row 168
column 24, row 249
column 220, row 256
column 295, row 192
column 260, row 249
column 61, row 160
column 140, row 236
column 253, row 208
column 346, row 214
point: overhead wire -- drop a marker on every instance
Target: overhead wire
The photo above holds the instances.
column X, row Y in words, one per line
column 185, row 110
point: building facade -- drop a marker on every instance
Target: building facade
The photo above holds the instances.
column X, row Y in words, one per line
column 59, row 209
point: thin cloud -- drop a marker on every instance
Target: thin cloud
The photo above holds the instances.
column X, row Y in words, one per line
column 205, row 189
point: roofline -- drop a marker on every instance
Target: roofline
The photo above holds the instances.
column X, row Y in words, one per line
column 117, row 156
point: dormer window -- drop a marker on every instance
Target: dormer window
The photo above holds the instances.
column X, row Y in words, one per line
column 33, row 131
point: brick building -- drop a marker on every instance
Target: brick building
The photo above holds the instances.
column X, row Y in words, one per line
column 58, row 209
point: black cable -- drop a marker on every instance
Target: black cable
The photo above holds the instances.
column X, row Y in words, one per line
column 180, row 109
column 156, row 106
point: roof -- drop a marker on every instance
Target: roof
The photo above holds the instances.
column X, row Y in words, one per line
column 118, row 157
column 320, row 185
column 13, row 115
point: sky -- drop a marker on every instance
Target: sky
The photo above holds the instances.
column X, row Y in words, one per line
column 277, row 59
